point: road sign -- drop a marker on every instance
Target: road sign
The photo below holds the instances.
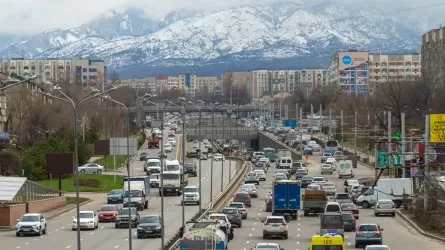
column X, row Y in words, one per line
column 382, row 159
column 397, row 136
column 290, row 123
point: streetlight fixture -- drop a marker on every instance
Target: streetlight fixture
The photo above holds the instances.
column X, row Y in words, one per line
column 75, row 106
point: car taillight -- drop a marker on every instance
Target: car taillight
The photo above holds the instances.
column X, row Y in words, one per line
column 378, row 230
column 283, row 224
column 353, row 221
column 266, row 224
column 358, row 229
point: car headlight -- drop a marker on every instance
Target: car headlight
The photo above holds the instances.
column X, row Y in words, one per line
column 139, row 228
column 74, row 222
column 139, row 201
column 158, row 227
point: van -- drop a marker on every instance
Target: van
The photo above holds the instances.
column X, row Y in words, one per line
column 332, row 223
column 285, row 163
column 345, row 169
column 327, row 241
column 332, row 207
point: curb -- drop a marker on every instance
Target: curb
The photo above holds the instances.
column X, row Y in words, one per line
column 66, row 210
column 418, row 229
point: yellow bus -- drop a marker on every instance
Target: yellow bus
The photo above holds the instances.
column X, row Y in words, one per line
column 327, row 242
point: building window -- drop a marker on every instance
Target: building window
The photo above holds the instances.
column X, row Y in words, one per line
column 84, row 70
column 93, row 77
column 92, row 69
column 84, row 77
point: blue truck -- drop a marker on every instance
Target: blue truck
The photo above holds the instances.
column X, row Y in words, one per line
column 286, row 198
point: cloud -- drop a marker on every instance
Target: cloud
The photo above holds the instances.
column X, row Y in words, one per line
column 31, row 16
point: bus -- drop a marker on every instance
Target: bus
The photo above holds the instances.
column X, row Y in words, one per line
column 270, row 153
column 331, row 146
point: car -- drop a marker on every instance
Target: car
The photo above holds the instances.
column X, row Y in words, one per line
column 339, row 156
column 203, row 156
column 31, row 224
column 115, row 196
column 155, row 180
column 190, row 195
column 88, row 220
column 219, row 157
column 313, row 187
column 331, row 161
column 269, row 205
column 261, row 174
column 143, row 156
column 306, row 180
column 299, row 173
column 251, row 189
column 385, row 206
column 91, row 168
column 351, row 207
column 252, row 177
column 241, row 207
column 368, row 234
column 326, row 168
column 168, row 148
column 234, row 215
column 349, row 184
column 224, row 218
column 264, row 160
column 349, row 222
column 149, row 226
column 153, row 166
column 307, row 151
column 280, row 177
column 192, row 154
column 359, row 191
column 162, row 154
column 171, row 134
column 267, row 246
column 329, row 188
column 108, row 213
column 190, row 168
column 325, row 156
column 377, row 247
column 275, row 226
column 319, row 180
column 316, row 148
column 172, row 141
column 285, row 171
column 342, row 198
column 332, row 207
column 243, row 197
column 122, row 218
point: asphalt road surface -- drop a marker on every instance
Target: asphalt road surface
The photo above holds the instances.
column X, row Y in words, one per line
column 60, row 236
column 397, row 234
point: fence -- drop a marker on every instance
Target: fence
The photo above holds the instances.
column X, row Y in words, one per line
column 32, row 191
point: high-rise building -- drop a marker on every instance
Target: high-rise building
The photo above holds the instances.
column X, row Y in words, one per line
column 358, row 72
column 433, row 56
column 239, row 80
column 90, row 73
column 50, row 69
column 191, row 84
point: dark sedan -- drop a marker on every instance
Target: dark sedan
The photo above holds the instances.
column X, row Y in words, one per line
column 149, row 226
column 269, row 205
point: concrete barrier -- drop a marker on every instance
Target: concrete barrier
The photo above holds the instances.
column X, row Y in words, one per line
column 265, row 140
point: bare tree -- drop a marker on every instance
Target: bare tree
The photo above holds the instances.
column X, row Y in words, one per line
column 9, row 163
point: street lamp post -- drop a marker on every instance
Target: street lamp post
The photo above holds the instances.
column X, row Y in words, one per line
column 75, row 107
column 15, row 83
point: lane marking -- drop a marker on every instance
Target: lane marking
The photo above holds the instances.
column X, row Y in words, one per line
column 26, row 243
column 56, row 230
column 247, row 242
column 102, row 227
column 126, row 239
column 17, row 247
column 250, row 235
column 116, row 246
column 91, row 233
column 298, row 242
column 253, row 229
column 203, row 178
column 62, row 227
column 68, row 247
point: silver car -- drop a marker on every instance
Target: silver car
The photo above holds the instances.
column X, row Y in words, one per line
column 385, row 206
column 91, row 168
column 377, row 247
column 251, row 189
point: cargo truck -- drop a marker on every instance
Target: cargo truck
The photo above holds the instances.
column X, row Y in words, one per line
column 399, row 190
column 286, row 198
column 153, row 141
column 314, row 202
column 204, row 234
column 139, row 192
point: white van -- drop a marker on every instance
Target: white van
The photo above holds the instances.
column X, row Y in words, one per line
column 332, row 207
column 344, row 169
column 172, row 166
column 285, row 163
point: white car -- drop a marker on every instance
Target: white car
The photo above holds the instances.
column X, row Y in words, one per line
column 91, row 168
column 329, row 188
column 332, row 162
column 219, row 157
column 319, row 180
column 267, row 246
column 190, row 195
column 326, row 168
column 172, row 141
column 275, row 226
column 261, row 174
column 316, row 148
column 33, row 223
column 168, row 148
column 313, row 187
column 88, row 220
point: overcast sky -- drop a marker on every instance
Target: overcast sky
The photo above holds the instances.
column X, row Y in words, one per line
column 34, row 16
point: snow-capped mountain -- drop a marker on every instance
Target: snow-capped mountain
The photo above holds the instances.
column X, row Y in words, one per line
column 248, row 33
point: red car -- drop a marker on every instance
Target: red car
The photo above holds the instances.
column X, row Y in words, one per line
column 351, row 207
column 108, row 213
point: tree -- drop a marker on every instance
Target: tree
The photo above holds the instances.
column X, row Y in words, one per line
column 9, row 163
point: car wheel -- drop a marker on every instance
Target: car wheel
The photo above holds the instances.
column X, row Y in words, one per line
column 285, row 237
column 17, row 234
column 82, row 171
column 99, row 171
column 40, row 232
column 365, row 204
column 393, row 215
column 116, row 226
column 139, row 236
column 45, row 229
column 357, row 245
column 264, row 236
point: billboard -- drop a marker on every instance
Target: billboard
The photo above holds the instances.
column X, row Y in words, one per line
column 437, row 128
column 353, row 67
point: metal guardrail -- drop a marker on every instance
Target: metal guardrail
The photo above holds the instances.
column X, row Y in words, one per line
column 220, row 199
column 154, row 109
column 293, row 150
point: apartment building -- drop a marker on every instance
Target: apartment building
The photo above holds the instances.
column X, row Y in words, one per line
column 191, row 84
column 90, row 73
column 154, row 85
column 433, row 56
column 238, row 80
column 263, row 82
column 359, row 72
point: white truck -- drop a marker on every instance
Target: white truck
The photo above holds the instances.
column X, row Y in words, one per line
column 172, row 183
column 344, row 169
column 284, row 159
column 200, row 235
column 399, row 190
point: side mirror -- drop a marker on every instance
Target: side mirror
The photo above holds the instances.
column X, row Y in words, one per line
column 262, row 220
column 381, row 229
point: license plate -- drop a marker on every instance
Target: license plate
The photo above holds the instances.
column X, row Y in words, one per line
column 275, row 225
column 148, row 231
column 26, row 230
column 169, row 189
column 107, row 217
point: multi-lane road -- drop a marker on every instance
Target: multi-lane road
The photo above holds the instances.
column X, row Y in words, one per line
column 60, row 236
column 397, row 234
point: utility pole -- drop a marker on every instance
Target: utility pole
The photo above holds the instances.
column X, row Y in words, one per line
column 296, row 111
column 281, row 115
column 330, row 123
column 389, row 142
column 425, row 162
column 402, row 138
column 321, row 118
column 301, row 117
column 286, row 111
column 341, row 124
column 355, row 132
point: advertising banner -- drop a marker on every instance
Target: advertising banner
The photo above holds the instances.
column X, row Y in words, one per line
column 437, row 128
column 353, row 68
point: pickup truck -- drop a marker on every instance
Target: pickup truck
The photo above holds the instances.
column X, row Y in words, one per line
column 314, row 202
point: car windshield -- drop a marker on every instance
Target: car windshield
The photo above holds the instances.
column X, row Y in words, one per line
column 331, row 221
column 347, row 216
column 280, row 177
column 306, row 178
column 241, row 195
column 327, row 155
column 85, row 215
column 217, row 217
column 368, row 228
column 115, row 192
column 314, row 247
column 342, row 196
column 154, row 176
column 275, row 220
column 171, row 176
column 133, row 193
column 29, row 218
column 253, row 174
column 124, row 211
column 259, row 171
column 172, row 167
column 191, row 190
column 189, row 165
column 237, row 205
column 318, row 179
column 149, row 219
column 108, row 208
column 153, row 163
column 229, row 211
column 347, row 206
column 329, row 185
